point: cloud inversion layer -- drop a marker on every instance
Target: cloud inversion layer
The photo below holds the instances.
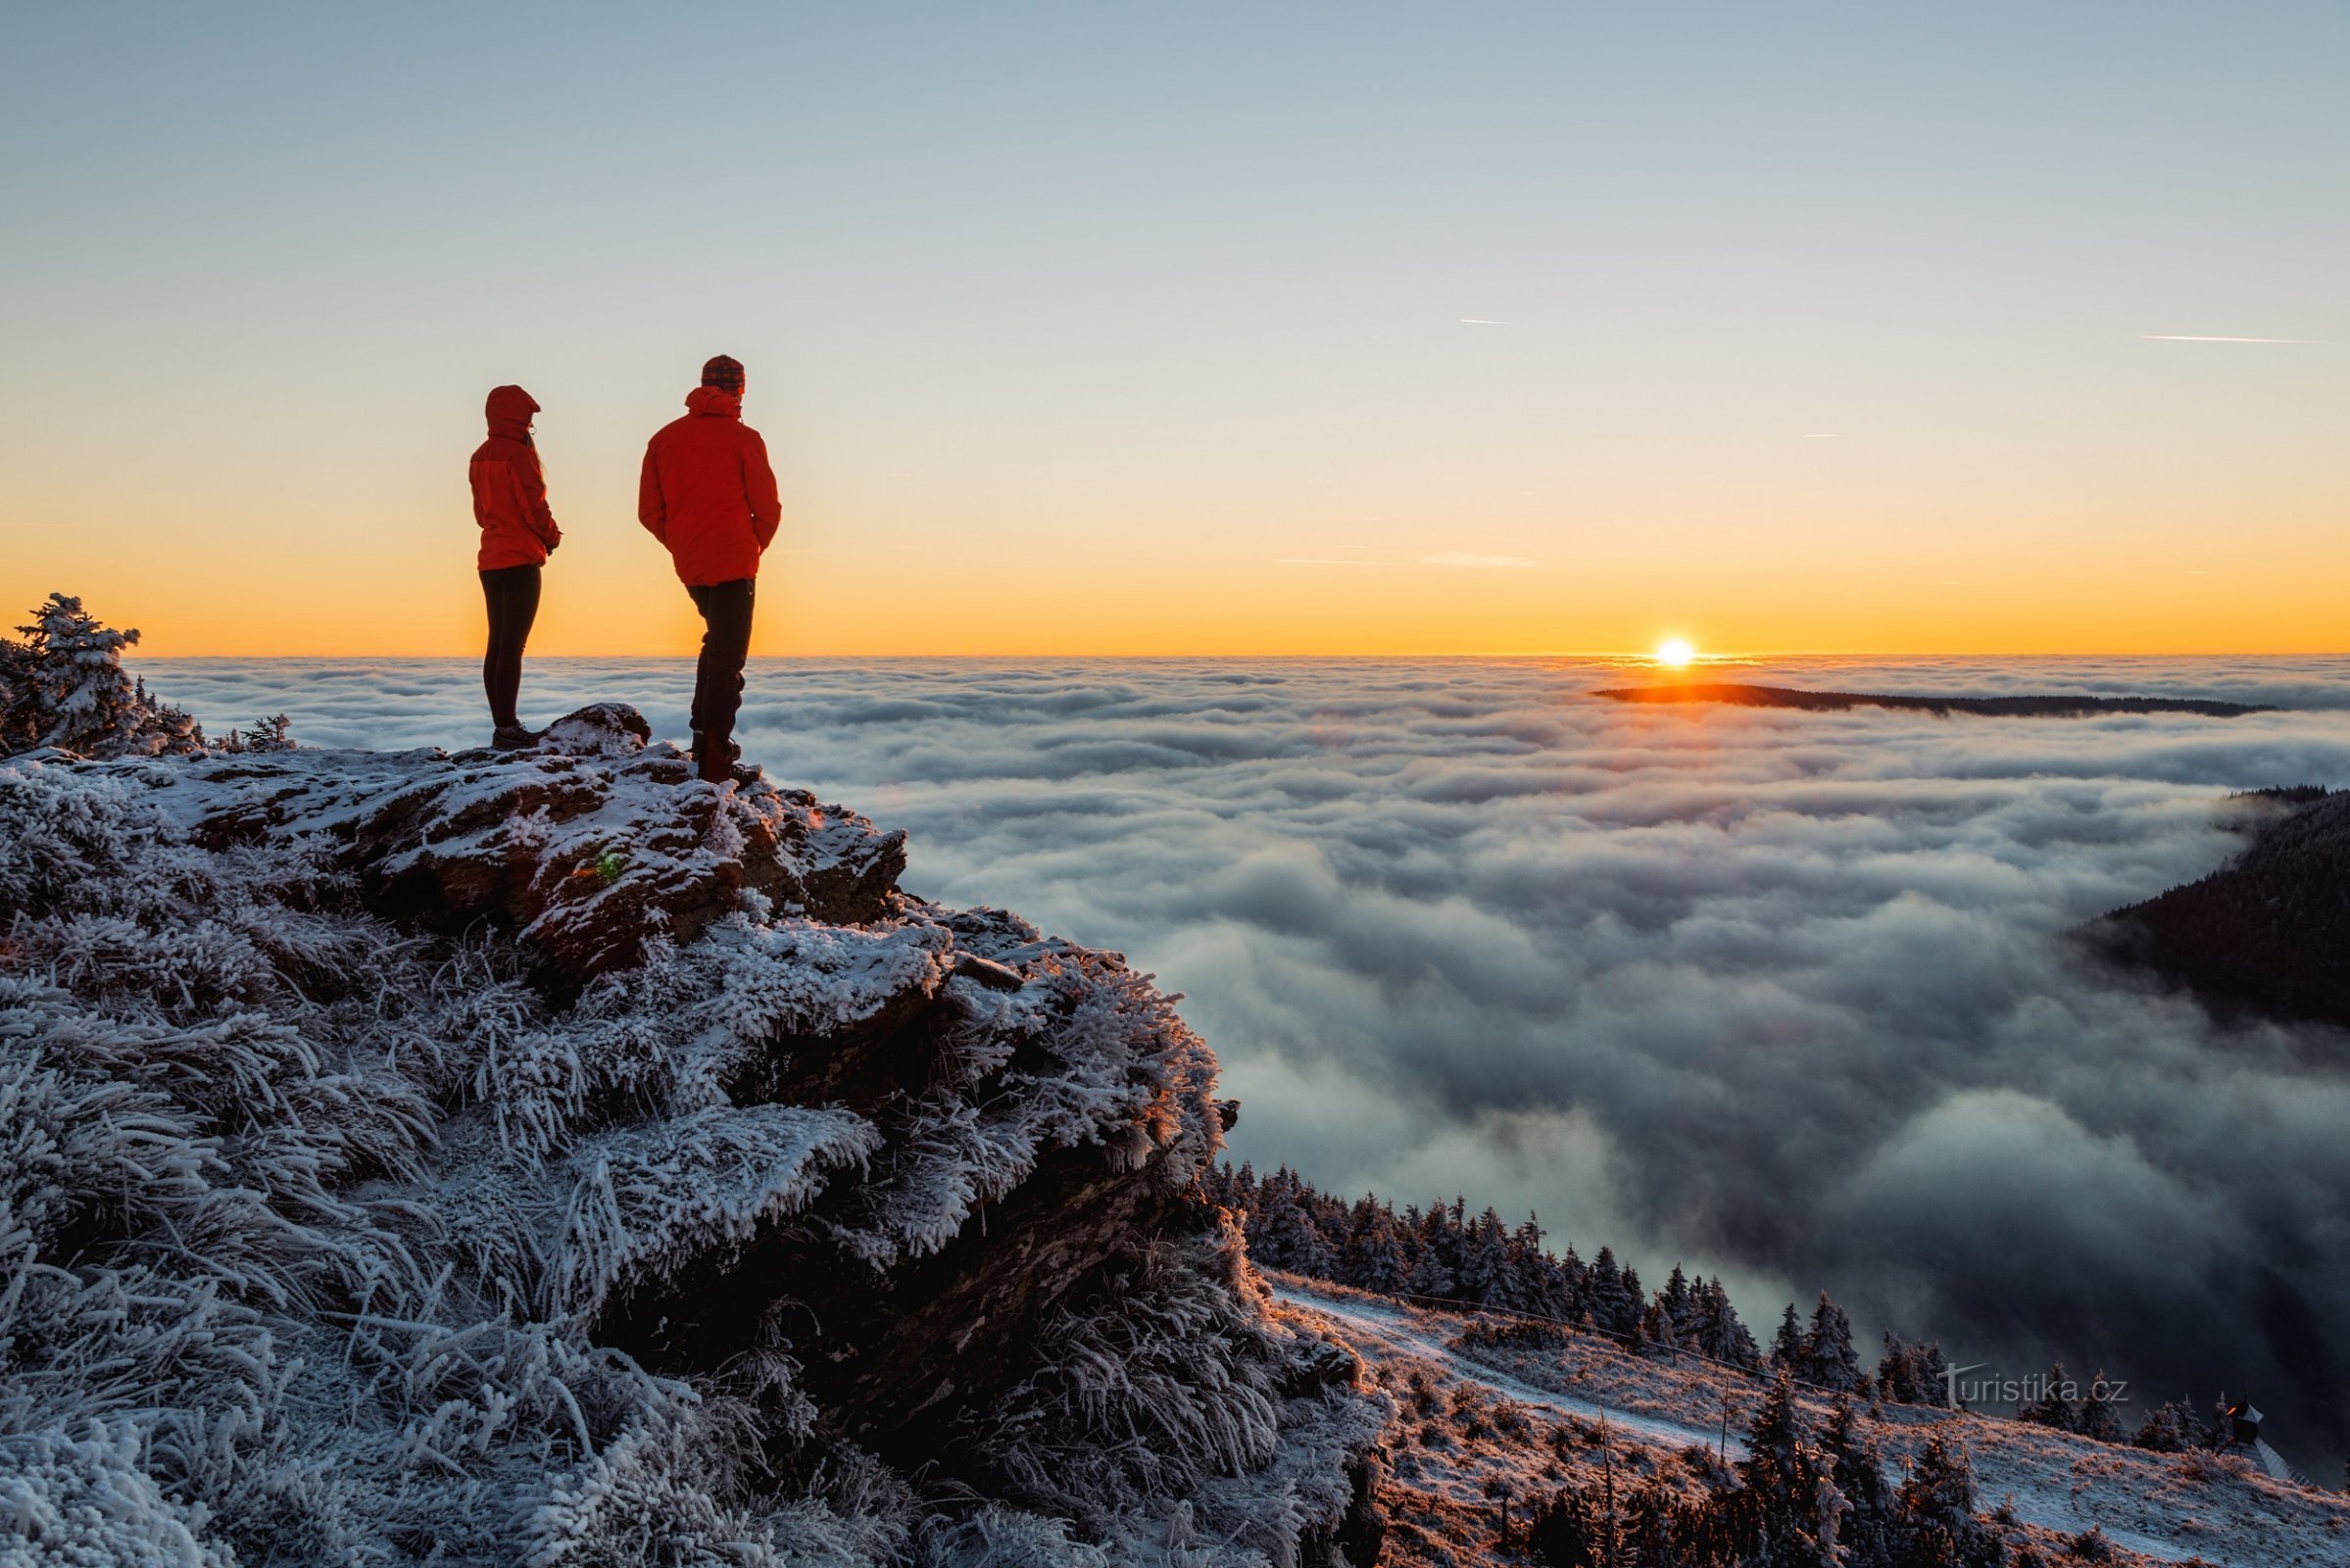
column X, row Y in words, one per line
column 1776, row 993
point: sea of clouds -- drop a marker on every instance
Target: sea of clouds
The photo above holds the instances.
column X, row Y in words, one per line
column 1777, row 994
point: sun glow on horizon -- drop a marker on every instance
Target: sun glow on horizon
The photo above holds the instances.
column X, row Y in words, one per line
column 1675, row 653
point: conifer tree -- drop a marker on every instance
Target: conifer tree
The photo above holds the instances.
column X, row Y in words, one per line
column 1720, row 1334
column 1828, row 1356
column 1679, row 1306
column 1657, row 1327
column 2168, row 1428
column 1649, row 1534
column 1788, row 1355
column 1375, row 1255
column 1573, row 1285
column 1429, row 1276
column 1791, row 1512
column 66, row 687
column 1630, row 1299
column 1935, row 1510
column 1484, row 1272
column 1858, row 1470
column 2100, row 1417
column 1912, row 1374
column 2054, row 1408
column 1285, row 1235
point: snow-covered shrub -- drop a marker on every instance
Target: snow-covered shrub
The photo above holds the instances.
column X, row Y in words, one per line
column 272, row 734
column 64, row 686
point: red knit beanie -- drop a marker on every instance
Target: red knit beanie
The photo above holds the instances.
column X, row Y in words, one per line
column 724, row 373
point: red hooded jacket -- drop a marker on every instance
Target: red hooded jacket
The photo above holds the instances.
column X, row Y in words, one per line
column 510, row 488
column 707, row 492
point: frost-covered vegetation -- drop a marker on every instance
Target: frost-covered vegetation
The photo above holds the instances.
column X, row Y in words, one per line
column 339, row 1225
column 64, row 686
column 1516, row 1441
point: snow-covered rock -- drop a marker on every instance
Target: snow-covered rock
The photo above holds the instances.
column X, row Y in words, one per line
column 548, row 1157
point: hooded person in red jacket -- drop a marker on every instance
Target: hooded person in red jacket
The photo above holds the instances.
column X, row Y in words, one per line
column 709, row 494
column 509, row 502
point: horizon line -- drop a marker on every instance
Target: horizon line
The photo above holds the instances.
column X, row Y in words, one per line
column 1634, row 655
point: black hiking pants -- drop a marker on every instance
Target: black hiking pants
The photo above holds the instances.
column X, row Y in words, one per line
column 719, row 674
column 512, row 596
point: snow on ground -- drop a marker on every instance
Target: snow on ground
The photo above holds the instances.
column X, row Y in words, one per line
column 1477, row 1417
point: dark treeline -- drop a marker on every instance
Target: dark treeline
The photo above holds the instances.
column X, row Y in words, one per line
column 1800, row 1496
column 1445, row 1254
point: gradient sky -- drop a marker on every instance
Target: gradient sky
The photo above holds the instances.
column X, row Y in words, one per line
column 1114, row 329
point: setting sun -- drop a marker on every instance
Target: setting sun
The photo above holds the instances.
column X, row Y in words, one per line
column 1675, row 652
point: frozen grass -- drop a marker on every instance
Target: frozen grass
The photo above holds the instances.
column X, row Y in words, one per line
column 305, row 1219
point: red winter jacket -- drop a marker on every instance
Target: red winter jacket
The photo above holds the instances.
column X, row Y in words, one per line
column 510, row 488
column 707, row 491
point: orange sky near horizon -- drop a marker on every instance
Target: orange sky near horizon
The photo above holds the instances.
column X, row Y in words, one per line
column 371, row 554
column 2021, row 329
column 2053, row 585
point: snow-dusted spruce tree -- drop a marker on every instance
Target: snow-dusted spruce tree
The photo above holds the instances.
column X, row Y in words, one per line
column 1828, row 1356
column 2100, row 1416
column 1786, row 1345
column 1375, row 1255
column 1912, row 1374
column 1791, row 1513
column 1484, row 1273
column 64, row 686
column 2170, row 1427
column 1935, row 1511
column 1615, row 1295
column 2054, row 1408
column 1720, row 1333
column 1676, row 1309
column 1857, row 1468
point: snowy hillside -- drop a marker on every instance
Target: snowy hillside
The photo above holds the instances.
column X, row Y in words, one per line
column 547, row 1158
column 1515, row 1442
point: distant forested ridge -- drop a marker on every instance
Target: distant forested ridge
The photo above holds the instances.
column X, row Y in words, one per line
column 2268, row 932
column 1446, row 1254
column 2065, row 706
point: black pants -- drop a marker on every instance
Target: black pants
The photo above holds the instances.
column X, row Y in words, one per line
column 719, row 674
column 512, row 596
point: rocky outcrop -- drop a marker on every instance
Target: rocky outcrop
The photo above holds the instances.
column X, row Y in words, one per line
column 558, row 1158
column 586, row 845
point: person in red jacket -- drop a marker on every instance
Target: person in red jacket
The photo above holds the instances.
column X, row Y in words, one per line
column 709, row 494
column 509, row 502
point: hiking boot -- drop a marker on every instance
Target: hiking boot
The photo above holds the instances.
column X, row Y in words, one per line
column 734, row 750
column 513, row 738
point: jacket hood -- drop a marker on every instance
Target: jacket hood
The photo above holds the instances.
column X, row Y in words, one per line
column 714, row 401
column 509, row 410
